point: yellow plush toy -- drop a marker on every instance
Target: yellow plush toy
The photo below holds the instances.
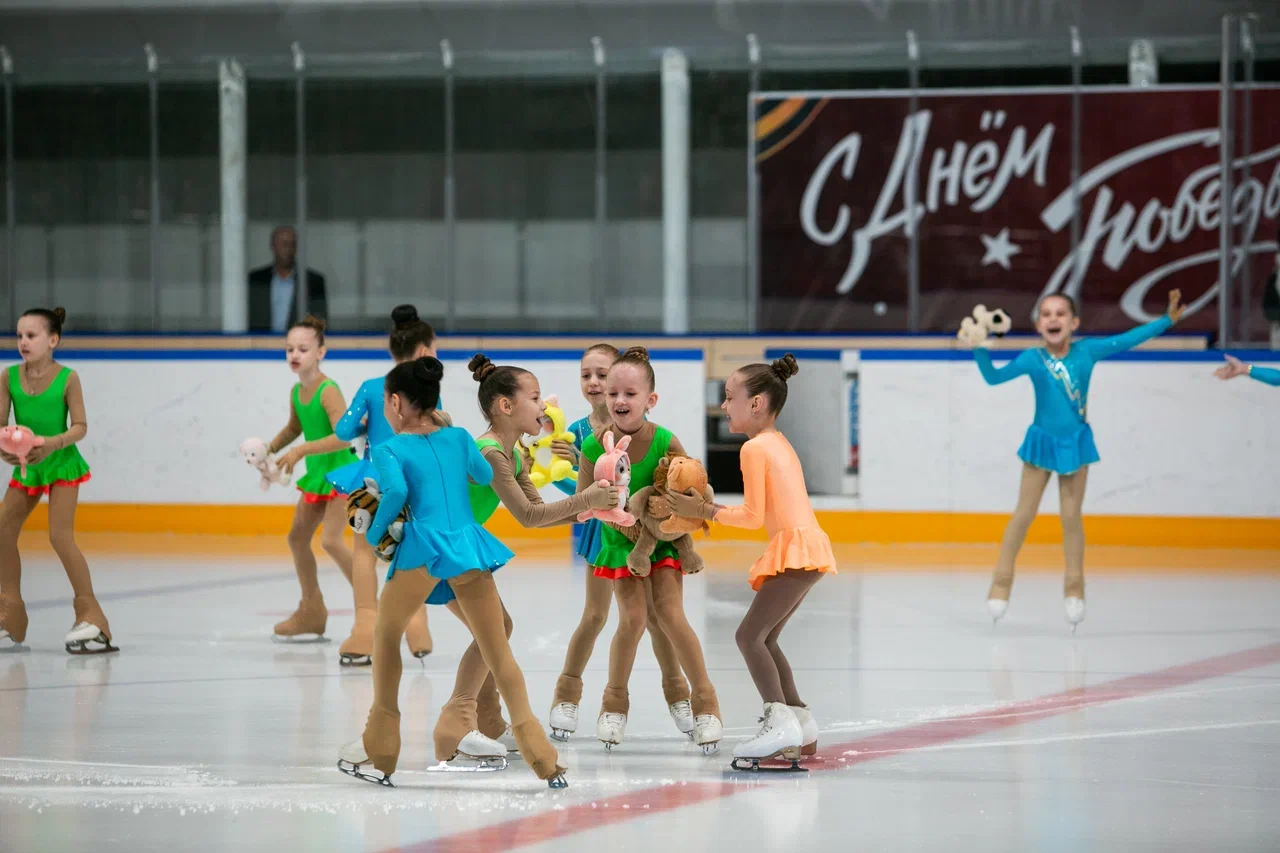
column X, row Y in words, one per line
column 547, row 467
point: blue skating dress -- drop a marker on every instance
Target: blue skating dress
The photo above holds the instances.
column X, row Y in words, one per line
column 586, row 536
column 364, row 415
column 427, row 475
column 1060, row 438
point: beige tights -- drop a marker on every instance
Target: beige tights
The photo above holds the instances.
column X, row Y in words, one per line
column 1071, row 489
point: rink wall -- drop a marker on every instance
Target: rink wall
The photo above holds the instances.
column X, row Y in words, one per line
column 910, row 443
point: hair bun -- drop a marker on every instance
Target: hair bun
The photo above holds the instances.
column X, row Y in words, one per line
column 60, row 313
column 480, row 367
column 404, row 316
column 428, row 369
column 314, row 322
column 785, row 367
column 637, row 353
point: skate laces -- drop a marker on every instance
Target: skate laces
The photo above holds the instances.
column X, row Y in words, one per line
column 612, row 719
column 567, row 710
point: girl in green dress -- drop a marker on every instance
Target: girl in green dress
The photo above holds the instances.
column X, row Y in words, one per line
column 316, row 406
column 47, row 399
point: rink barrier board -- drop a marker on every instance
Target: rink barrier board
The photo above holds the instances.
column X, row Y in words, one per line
column 843, row 526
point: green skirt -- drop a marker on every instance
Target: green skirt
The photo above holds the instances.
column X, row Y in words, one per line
column 65, row 467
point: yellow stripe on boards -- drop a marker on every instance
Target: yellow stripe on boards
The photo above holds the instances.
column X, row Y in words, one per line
column 843, row 526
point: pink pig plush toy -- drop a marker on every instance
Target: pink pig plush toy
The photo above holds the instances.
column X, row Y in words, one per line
column 19, row 441
column 614, row 468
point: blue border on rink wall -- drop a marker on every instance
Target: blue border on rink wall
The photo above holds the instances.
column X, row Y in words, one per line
column 1198, row 356
column 497, row 355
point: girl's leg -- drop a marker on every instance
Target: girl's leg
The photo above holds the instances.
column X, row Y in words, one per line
column 335, row 522
column 757, row 636
column 668, row 596
column 311, row 617
column 401, row 596
column 364, row 592
column 595, row 612
column 478, row 597
column 1031, row 490
column 675, row 688
column 474, row 705
column 1071, row 498
column 418, row 636
column 62, row 519
column 622, row 651
column 14, row 511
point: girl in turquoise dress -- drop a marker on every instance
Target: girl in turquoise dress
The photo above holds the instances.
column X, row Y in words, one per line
column 425, row 470
column 1059, row 440
column 48, row 400
column 316, row 405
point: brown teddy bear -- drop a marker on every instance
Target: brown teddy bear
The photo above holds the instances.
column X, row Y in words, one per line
column 655, row 521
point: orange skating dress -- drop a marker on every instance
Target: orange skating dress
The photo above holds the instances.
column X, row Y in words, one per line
column 775, row 497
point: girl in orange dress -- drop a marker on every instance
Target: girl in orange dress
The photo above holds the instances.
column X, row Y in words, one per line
column 798, row 555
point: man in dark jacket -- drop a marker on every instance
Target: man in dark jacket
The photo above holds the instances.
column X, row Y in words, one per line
column 273, row 296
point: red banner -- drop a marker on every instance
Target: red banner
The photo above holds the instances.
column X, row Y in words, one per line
column 993, row 205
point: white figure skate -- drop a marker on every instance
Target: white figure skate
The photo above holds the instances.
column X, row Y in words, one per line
column 808, row 729
column 707, row 731
column 997, row 608
column 564, row 721
column 476, row 754
column 1074, row 611
column 610, row 729
column 780, row 737
column 352, row 757
column 87, row 638
column 682, row 714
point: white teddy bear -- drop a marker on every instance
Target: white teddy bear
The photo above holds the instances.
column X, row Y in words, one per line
column 984, row 324
column 254, row 451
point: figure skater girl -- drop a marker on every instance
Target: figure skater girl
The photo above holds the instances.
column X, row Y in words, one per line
column 411, row 338
column 316, row 405
column 47, row 399
column 1059, row 440
column 594, row 372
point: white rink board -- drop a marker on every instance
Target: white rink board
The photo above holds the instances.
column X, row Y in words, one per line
column 166, row 430
column 1173, row 439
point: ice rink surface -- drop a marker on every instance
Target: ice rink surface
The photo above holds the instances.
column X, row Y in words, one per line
column 1156, row 727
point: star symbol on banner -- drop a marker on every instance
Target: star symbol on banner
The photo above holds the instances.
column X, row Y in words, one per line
column 999, row 249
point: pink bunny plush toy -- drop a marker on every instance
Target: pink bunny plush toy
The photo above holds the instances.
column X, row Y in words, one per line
column 19, row 441
column 254, row 451
column 614, row 468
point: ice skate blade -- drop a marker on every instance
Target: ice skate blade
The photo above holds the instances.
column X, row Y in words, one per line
column 9, row 646
column 469, row 764
column 299, row 639
column 752, row 765
column 608, row 747
column 101, row 646
column 421, row 655
column 355, row 660
column 354, row 770
column 710, row 748
column 560, row 735
column 809, row 749
column 557, row 782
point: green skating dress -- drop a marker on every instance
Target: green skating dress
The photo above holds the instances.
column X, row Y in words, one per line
column 46, row 415
column 315, row 426
column 484, row 500
column 611, row 561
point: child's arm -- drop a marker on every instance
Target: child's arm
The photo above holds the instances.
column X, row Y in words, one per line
column 7, row 458
column 331, row 400
column 73, row 394
column 1269, row 375
column 1000, row 375
column 395, row 492
column 1100, row 348
column 478, row 468
column 352, row 422
column 755, row 463
column 523, row 501
column 288, row 435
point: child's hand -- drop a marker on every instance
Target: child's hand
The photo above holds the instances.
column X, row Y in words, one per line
column 287, row 462
column 1175, row 310
column 1233, row 368
column 691, row 506
column 39, row 454
column 9, row 459
column 565, row 450
column 601, row 495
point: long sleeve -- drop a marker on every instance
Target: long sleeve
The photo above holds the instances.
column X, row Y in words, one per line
column 523, row 501
column 288, row 435
column 1269, row 375
column 478, row 468
column 351, row 423
column 999, row 375
column 755, row 465
column 1100, row 348
column 395, row 492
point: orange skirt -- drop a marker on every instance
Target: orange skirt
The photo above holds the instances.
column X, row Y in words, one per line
column 806, row 548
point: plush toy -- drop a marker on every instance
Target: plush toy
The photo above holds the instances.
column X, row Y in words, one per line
column 679, row 473
column 254, row 451
column 19, row 441
column 547, row 467
column 362, row 506
column 614, row 468
column 984, row 324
